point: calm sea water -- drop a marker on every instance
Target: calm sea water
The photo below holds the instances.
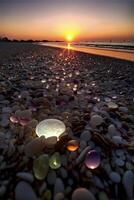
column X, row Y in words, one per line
column 123, row 50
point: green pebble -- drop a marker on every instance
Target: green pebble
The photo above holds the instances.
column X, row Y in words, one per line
column 55, row 161
column 41, row 166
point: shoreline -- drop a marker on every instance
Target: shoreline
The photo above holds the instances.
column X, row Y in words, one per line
column 109, row 52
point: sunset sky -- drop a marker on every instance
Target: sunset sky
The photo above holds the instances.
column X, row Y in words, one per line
column 56, row 19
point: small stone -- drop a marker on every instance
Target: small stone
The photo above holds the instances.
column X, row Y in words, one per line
column 128, row 183
column 86, row 136
column 2, row 190
column 33, row 123
column 6, row 110
column 82, row 194
column 96, row 120
column 59, row 186
column 123, row 109
column 119, row 162
column 112, row 105
column 47, row 195
column 112, row 130
column 103, row 196
column 55, row 161
column 41, row 166
column 34, row 147
column 23, row 191
column 73, row 145
column 117, row 139
column 59, row 196
column 115, row 177
column 63, row 172
column 51, row 177
column 51, row 142
column 25, row 176
column 129, row 166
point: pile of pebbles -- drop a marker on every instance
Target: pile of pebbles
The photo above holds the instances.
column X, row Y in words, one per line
column 93, row 96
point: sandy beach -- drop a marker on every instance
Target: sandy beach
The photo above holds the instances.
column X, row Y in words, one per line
column 93, row 95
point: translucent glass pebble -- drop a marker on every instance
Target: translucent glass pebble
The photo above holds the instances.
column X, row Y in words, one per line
column 41, row 166
column 92, row 159
column 55, row 161
column 73, row 145
column 50, row 127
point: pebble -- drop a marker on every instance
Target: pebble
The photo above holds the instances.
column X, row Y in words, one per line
column 115, row 177
column 96, row 120
column 41, row 166
column 103, row 196
column 51, row 177
column 59, row 196
column 26, row 176
column 82, row 155
column 112, row 130
column 86, row 136
column 128, row 183
column 59, row 186
column 2, row 190
column 34, row 147
column 82, row 194
column 119, row 162
column 55, row 161
column 23, row 191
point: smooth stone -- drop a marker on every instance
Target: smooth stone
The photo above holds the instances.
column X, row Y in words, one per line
column 64, row 161
column 82, row 194
column 59, row 196
column 63, row 172
column 24, row 191
column 107, row 168
column 123, row 109
column 26, row 114
column 2, row 190
column 82, row 155
column 103, row 196
column 72, row 145
column 128, row 183
column 86, row 136
column 70, row 181
column 6, row 110
column 115, row 177
column 26, row 176
column 119, row 162
column 117, row 139
column 33, row 123
column 55, row 161
column 119, row 152
column 83, row 145
column 34, row 147
column 41, row 166
column 96, row 120
column 129, row 166
column 51, row 142
column 51, row 177
column 4, row 122
column 59, row 186
column 112, row 130
column 112, row 105
column 47, row 195
column 98, row 182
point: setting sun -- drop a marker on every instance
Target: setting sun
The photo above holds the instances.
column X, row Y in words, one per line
column 69, row 37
